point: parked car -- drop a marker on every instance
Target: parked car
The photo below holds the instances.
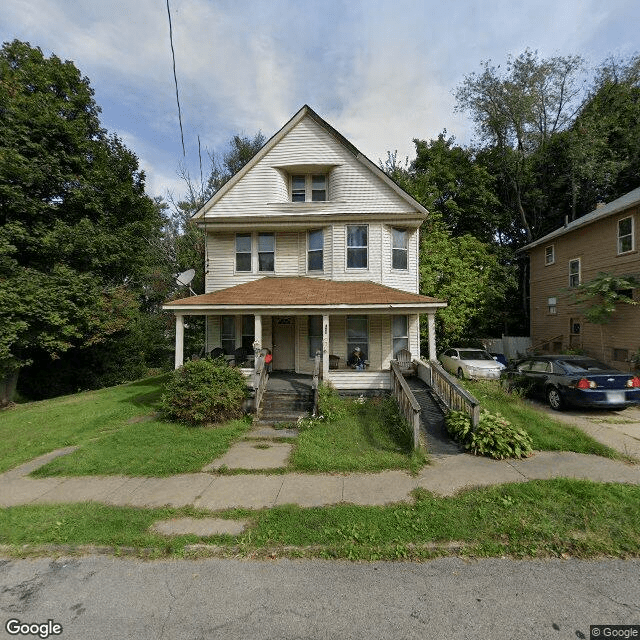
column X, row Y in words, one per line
column 471, row 363
column 573, row 381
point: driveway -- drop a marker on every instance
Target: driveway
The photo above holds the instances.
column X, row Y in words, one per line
column 619, row 430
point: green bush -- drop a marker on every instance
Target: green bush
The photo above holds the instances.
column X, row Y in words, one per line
column 204, row 391
column 330, row 405
column 494, row 436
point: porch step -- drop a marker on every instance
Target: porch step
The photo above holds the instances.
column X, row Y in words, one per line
column 284, row 406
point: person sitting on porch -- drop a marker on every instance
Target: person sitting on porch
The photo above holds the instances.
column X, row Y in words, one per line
column 357, row 360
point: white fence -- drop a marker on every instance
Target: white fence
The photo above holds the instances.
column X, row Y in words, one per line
column 511, row 346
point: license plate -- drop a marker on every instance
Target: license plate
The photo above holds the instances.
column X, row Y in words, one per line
column 615, row 396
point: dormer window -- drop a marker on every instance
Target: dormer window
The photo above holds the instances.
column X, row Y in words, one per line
column 309, row 187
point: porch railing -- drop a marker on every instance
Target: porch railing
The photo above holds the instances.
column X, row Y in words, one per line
column 317, row 375
column 409, row 406
column 260, row 379
column 449, row 391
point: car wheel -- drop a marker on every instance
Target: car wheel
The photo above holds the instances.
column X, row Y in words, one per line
column 554, row 399
column 460, row 373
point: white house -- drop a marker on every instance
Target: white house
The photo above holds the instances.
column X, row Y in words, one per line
column 312, row 247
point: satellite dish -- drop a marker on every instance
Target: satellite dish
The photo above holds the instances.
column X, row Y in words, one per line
column 183, row 279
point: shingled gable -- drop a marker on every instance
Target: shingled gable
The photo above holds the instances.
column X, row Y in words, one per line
column 304, row 112
column 308, row 293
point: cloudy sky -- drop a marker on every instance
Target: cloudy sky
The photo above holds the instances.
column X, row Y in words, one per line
column 382, row 72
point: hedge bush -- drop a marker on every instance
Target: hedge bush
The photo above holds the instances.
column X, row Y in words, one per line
column 494, row 436
column 204, row 391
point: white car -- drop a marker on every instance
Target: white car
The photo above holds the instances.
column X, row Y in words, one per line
column 471, row 363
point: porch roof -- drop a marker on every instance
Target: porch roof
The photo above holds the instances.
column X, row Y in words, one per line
column 302, row 294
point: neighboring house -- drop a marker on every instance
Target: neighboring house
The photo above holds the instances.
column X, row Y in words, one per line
column 312, row 247
column 605, row 240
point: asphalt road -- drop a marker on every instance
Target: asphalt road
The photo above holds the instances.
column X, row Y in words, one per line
column 112, row 598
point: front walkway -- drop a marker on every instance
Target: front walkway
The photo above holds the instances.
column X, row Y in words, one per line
column 444, row 477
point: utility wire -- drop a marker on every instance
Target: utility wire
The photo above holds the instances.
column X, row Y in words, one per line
column 175, row 78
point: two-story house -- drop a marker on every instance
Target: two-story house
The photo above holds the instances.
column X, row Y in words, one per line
column 311, row 247
column 603, row 241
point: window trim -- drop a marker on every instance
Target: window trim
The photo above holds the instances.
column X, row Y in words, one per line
column 266, row 233
column 552, row 306
column 308, row 187
column 395, row 337
column 579, row 273
column 405, row 248
column 243, row 335
column 547, row 261
column 347, row 247
column 346, row 333
column 309, row 231
column 236, row 252
column 631, row 235
column 222, row 334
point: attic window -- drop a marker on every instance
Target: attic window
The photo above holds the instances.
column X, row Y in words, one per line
column 309, row 187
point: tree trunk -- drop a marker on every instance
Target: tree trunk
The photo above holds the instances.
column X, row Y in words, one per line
column 8, row 388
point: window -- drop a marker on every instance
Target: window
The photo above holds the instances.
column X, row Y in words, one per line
column 228, row 334
column 551, row 303
column 625, row 235
column 248, row 332
column 243, row 252
column 315, row 335
column 549, row 254
column 400, row 334
column 357, row 252
column 309, row 188
column 315, row 240
column 620, row 355
column 357, row 334
column 574, row 272
column 400, row 251
column 266, row 251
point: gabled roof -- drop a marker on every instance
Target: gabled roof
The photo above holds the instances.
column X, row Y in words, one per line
column 626, row 201
column 303, row 292
column 307, row 111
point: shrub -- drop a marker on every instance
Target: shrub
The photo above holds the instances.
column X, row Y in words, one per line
column 330, row 405
column 204, row 391
column 494, row 436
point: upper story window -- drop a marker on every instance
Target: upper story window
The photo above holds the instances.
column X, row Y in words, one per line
column 309, row 187
column 625, row 235
column 243, row 252
column 574, row 272
column 549, row 254
column 266, row 251
column 315, row 250
column 400, row 250
column 357, row 246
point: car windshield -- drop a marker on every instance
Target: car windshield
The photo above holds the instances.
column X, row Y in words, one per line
column 471, row 354
column 582, row 365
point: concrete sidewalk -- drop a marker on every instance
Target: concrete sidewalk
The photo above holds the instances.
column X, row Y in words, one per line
column 445, row 476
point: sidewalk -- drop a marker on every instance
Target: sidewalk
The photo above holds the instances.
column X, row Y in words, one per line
column 445, row 476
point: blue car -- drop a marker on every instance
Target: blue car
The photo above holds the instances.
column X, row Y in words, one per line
column 573, row 381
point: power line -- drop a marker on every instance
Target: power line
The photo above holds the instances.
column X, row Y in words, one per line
column 175, row 78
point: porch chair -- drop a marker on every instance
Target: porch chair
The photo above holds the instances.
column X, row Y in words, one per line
column 405, row 362
column 334, row 362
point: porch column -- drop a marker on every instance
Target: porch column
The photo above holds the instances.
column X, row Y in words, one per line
column 179, row 340
column 325, row 346
column 431, row 320
column 257, row 332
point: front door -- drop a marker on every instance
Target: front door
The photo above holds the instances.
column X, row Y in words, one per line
column 284, row 350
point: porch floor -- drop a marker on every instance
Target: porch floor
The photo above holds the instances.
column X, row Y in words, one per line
column 289, row 381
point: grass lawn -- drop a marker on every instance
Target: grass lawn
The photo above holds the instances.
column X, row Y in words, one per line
column 360, row 436
column 547, row 434
column 111, row 441
column 536, row 519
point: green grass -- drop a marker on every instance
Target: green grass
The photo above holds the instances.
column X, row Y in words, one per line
column 547, row 434
column 365, row 436
column 536, row 519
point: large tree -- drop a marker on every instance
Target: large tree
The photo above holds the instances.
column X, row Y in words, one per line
column 76, row 229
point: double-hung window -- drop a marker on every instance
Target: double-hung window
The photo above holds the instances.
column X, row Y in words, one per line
column 248, row 332
column 357, row 334
column 266, row 251
column 228, row 334
column 309, row 188
column 574, row 272
column 315, row 335
column 399, row 259
column 243, row 252
column 625, row 235
column 549, row 254
column 315, row 250
column 400, row 334
column 357, row 246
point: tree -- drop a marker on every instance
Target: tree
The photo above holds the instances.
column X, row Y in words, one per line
column 76, row 229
